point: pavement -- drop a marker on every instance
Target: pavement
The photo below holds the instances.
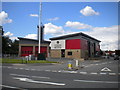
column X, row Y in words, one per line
column 93, row 74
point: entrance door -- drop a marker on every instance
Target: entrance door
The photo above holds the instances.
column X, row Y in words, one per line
column 89, row 51
column 63, row 53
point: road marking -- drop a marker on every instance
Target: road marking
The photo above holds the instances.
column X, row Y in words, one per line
column 96, row 64
column 27, row 69
column 11, row 87
column 15, row 68
column 73, row 72
column 41, row 82
column 89, row 81
column 94, row 73
column 19, row 75
column 103, row 73
column 29, row 76
column 33, row 69
column 112, row 73
column 21, row 68
column 40, row 77
column 105, row 69
column 83, row 72
column 59, row 71
column 54, row 71
column 92, row 64
column 9, row 67
column 48, row 70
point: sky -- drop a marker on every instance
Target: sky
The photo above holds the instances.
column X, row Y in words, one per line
column 97, row 19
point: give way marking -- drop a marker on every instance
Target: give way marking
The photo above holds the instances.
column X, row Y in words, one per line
column 105, row 69
column 42, row 82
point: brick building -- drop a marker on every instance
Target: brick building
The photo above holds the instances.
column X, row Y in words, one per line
column 75, row 46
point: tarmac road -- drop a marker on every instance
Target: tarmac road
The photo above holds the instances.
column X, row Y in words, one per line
column 57, row 76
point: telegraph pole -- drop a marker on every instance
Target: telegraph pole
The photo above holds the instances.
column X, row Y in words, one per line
column 40, row 21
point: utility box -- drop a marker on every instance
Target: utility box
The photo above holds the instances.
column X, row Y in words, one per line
column 41, row 56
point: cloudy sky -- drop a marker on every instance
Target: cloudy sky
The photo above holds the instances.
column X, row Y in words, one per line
column 97, row 19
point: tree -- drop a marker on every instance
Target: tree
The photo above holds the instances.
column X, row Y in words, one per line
column 6, row 45
column 9, row 46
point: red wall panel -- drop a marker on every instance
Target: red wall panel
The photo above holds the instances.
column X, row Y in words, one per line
column 97, row 47
column 73, row 44
column 26, row 50
column 84, row 44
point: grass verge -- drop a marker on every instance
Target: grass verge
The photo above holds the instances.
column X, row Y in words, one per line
column 24, row 61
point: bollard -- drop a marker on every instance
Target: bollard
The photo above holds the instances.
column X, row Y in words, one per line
column 70, row 65
column 77, row 63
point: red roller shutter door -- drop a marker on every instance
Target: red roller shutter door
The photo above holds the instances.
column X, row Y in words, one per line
column 26, row 50
column 43, row 49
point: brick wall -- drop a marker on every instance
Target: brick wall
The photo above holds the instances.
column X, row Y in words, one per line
column 55, row 53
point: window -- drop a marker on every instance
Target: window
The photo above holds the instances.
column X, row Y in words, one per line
column 69, row 53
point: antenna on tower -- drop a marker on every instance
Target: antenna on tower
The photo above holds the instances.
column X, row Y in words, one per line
column 40, row 23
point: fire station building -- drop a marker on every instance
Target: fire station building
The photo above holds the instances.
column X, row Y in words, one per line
column 74, row 46
column 30, row 47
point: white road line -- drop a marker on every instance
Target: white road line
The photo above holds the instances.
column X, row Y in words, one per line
column 94, row 73
column 54, row 71
column 9, row 67
column 19, row 75
column 91, row 64
column 73, row 72
column 11, row 87
column 40, row 82
column 21, row 68
column 90, row 81
column 47, row 70
column 83, row 72
column 86, row 66
column 40, row 77
column 29, row 76
column 27, row 69
column 112, row 73
column 15, row 68
column 33, row 69
column 103, row 73
column 59, row 71
column 96, row 64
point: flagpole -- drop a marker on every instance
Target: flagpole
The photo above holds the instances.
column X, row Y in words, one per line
column 1, row 5
column 40, row 21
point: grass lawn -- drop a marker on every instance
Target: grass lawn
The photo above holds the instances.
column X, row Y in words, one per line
column 24, row 61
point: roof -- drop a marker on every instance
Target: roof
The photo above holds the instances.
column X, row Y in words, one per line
column 33, row 40
column 73, row 35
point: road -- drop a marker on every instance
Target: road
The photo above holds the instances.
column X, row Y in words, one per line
column 94, row 74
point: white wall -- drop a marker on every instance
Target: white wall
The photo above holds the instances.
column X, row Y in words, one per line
column 58, row 44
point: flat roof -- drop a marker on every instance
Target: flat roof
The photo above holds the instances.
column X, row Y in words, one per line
column 73, row 35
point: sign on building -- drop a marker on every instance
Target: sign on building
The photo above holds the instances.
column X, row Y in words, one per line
column 58, row 44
